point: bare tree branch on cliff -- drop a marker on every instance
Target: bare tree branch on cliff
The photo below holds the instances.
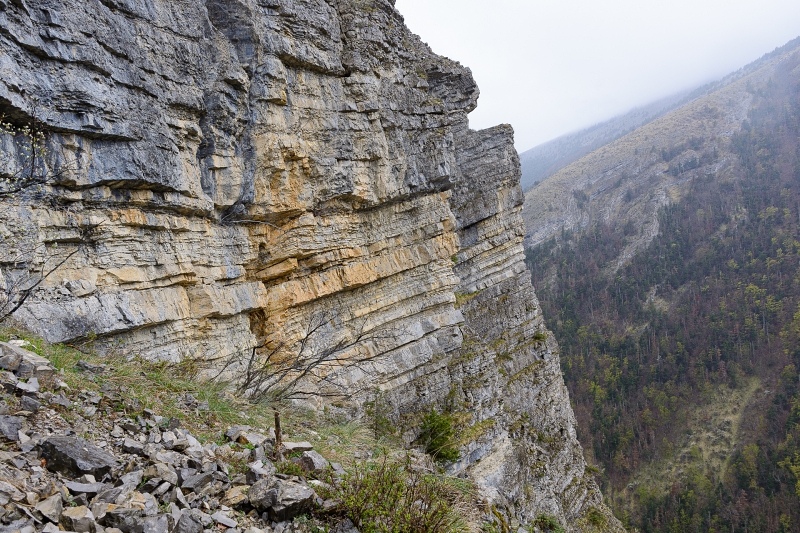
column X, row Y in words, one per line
column 309, row 367
column 25, row 261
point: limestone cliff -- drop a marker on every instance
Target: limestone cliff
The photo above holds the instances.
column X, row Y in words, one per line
column 247, row 164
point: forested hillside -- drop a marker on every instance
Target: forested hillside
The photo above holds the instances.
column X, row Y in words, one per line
column 683, row 362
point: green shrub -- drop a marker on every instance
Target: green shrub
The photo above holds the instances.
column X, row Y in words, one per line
column 387, row 496
column 547, row 522
column 596, row 517
column 437, row 436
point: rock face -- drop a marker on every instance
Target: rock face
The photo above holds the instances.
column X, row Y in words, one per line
column 245, row 166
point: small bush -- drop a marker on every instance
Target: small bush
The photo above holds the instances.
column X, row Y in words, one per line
column 596, row 517
column 437, row 436
column 387, row 496
column 547, row 522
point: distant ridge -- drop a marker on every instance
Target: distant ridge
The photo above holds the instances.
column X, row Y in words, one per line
column 546, row 159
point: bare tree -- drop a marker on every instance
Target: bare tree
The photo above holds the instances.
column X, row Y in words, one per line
column 25, row 261
column 309, row 367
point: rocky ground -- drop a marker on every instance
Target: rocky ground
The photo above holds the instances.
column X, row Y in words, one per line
column 81, row 461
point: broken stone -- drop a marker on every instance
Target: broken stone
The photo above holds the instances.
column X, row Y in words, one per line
column 9, row 492
column 88, row 367
column 263, row 494
column 293, row 499
column 78, row 519
column 84, row 488
column 188, row 523
column 51, row 508
column 29, row 387
column 132, row 446
column 28, row 403
column 126, row 520
column 235, row 496
column 297, row 447
column 224, row 520
column 10, row 426
column 73, row 456
column 197, row 482
column 313, row 462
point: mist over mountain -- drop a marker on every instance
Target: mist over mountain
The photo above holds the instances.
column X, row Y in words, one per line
column 544, row 160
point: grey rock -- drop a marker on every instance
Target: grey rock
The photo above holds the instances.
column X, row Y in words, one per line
column 188, row 523
column 297, row 447
column 133, row 446
column 10, row 426
column 263, row 494
column 126, row 520
column 259, row 470
column 28, row 387
column 131, row 478
column 115, row 494
column 10, row 356
column 157, row 524
column 29, row 403
column 73, row 456
column 293, row 499
column 60, row 399
column 50, row 528
column 224, row 520
column 313, row 462
column 51, row 508
column 88, row 367
column 9, row 492
column 78, row 519
column 18, row 526
column 197, row 482
column 85, row 488
column 345, row 526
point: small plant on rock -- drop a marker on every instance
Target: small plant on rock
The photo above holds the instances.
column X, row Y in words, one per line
column 437, row 436
column 547, row 523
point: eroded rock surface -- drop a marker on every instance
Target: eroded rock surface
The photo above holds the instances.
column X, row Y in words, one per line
column 244, row 166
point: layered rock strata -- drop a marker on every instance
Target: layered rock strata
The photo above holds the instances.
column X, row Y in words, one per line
column 245, row 166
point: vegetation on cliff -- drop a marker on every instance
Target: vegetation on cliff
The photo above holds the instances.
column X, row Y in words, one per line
column 683, row 364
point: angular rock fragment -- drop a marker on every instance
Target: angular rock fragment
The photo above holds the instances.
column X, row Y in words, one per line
column 133, row 446
column 28, row 403
column 224, row 520
column 10, row 426
column 126, row 520
column 73, row 456
column 313, row 462
column 263, row 494
column 293, row 500
column 197, row 482
column 85, row 488
column 297, row 447
column 188, row 523
column 78, row 519
column 9, row 492
column 51, row 508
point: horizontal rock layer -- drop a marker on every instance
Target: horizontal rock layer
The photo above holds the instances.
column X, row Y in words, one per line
column 244, row 166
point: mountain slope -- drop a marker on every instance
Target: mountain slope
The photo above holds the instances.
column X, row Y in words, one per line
column 674, row 295
column 632, row 177
column 546, row 159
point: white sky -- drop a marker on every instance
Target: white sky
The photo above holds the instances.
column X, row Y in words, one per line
column 550, row 67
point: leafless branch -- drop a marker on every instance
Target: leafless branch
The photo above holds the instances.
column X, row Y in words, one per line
column 307, row 367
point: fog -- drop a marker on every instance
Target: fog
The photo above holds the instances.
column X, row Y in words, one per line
column 550, row 67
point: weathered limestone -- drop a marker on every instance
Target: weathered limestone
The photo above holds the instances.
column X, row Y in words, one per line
column 244, row 166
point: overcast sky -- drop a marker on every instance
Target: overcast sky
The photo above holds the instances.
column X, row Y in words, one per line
column 550, row 67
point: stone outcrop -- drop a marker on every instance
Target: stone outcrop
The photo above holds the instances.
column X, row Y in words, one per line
column 244, row 166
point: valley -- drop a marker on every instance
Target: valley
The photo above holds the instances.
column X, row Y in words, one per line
column 671, row 280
